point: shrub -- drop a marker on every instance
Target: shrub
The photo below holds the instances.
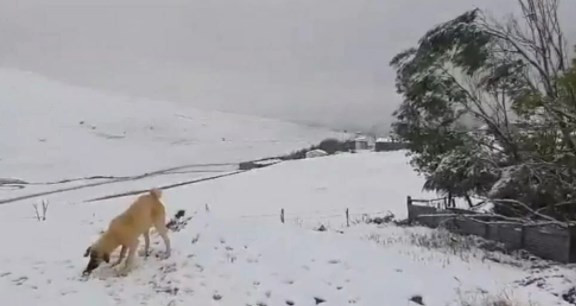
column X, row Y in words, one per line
column 329, row 145
column 41, row 214
column 332, row 145
column 486, row 299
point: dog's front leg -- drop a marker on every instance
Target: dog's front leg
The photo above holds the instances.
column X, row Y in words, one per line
column 122, row 254
column 131, row 255
column 163, row 231
column 146, row 243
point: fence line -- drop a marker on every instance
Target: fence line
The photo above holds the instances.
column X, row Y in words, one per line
column 320, row 216
column 546, row 239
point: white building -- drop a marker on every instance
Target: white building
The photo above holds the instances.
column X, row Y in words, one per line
column 363, row 143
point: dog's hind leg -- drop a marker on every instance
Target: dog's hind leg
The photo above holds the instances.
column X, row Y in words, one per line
column 163, row 231
column 122, row 254
column 146, row 243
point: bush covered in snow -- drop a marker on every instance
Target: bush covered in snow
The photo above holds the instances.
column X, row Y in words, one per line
column 329, row 145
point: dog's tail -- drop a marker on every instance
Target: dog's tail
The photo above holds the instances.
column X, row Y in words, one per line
column 157, row 193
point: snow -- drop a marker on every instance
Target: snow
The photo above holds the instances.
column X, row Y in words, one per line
column 238, row 250
column 316, row 153
column 384, row 139
column 314, row 187
column 52, row 132
column 234, row 250
column 59, row 131
column 268, row 161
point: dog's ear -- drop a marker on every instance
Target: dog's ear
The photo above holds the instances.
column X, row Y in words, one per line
column 87, row 251
column 106, row 258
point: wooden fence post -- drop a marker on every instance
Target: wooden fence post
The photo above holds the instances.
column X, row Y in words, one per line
column 282, row 215
column 347, row 218
column 522, row 236
column 572, row 247
column 408, row 207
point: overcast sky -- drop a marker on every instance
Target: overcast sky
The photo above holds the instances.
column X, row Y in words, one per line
column 322, row 61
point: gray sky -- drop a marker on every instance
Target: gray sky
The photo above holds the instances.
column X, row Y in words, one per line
column 323, row 61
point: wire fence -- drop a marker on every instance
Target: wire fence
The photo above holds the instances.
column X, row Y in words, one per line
column 327, row 217
column 316, row 215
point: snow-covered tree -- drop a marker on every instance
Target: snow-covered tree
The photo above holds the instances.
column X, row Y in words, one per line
column 483, row 99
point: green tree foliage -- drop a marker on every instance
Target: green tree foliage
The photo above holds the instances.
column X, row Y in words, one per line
column 481, row 96
column 465, row 170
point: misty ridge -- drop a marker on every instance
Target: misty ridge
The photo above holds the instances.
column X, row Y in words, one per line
column 324, row 63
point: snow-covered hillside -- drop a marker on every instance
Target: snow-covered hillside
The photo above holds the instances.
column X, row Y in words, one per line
column 58, row 137
column 314, row 188
column 238, row 253
column 50, row 131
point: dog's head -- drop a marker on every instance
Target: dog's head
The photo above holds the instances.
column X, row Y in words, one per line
column 96, row 258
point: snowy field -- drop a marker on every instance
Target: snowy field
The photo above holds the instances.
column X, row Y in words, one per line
column 236, row 252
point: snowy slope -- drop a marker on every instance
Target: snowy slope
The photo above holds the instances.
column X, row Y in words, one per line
column 56, row 136
column 321, row 187
column 238, row 253
column 53, row 131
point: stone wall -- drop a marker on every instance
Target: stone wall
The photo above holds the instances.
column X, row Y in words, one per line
column 546, row 241
column 510, row 234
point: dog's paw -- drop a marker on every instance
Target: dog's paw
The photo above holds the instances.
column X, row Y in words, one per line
column 164, row 255
column 122, row 273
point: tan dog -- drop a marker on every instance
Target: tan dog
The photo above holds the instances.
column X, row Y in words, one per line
column 147, row 211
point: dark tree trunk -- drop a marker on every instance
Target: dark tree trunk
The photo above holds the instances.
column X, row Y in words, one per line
column 470, row 204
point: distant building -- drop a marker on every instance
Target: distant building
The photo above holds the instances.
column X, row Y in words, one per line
column 388, row 144
column 362, row 143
